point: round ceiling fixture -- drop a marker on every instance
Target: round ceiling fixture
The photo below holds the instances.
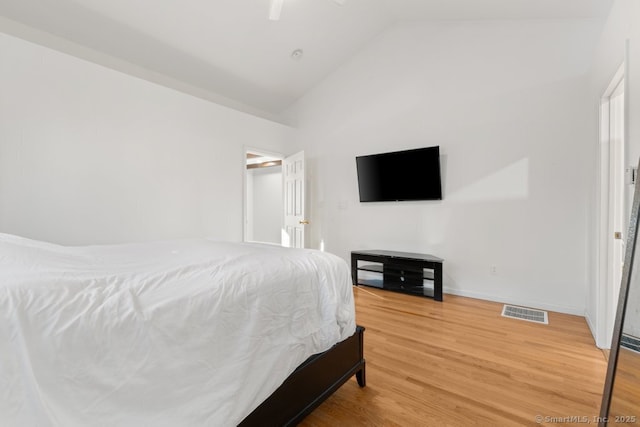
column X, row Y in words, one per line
column 297, row 54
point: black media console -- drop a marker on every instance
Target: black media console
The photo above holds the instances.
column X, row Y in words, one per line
column 415, row 274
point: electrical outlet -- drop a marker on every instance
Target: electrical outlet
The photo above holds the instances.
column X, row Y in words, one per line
column 493, row 270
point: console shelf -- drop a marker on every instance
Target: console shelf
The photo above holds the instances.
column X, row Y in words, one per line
column 411, row 273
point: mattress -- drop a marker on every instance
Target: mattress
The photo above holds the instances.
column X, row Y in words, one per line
column 176, row 333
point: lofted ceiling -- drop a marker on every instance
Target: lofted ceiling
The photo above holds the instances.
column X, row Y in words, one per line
column 230, row 52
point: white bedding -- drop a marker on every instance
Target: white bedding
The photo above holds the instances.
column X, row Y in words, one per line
column 176, row 333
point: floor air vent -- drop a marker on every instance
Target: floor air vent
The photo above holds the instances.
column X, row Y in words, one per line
column 528, row 314
column 630, row 342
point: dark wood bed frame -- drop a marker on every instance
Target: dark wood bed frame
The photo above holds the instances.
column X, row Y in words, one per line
column 311, row 383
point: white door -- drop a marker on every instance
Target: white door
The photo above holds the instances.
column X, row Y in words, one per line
column 614, row 199
column 293, row 180
column 618, row 218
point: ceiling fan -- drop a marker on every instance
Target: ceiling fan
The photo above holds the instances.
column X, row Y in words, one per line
column 276, row 8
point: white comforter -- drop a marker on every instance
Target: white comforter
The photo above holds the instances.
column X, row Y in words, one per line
column 176, row 333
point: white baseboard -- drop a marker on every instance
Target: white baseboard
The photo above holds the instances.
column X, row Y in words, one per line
column 577, row 311
column 602, row 345
column 592, row 328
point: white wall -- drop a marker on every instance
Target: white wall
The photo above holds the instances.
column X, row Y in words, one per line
column 507, row 103
column 91, row 155
column 621, row 25
column 266, row 204
column 249, row 210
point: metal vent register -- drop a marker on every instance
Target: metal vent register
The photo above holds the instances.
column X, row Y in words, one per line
column 528, row 314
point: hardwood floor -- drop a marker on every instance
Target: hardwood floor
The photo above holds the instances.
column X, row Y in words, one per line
column 460, row 363
column 626, row 395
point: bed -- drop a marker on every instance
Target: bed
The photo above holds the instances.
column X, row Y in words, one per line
column 187, row 332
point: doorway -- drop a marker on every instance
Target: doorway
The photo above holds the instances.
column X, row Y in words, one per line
column 615, row 203
column 263, row 198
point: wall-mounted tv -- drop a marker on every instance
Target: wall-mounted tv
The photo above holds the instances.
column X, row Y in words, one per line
column 400, row 175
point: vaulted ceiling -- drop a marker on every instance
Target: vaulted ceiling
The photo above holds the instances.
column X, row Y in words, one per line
column 228, row 50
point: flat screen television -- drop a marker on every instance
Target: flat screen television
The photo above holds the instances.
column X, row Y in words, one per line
column 400, row 175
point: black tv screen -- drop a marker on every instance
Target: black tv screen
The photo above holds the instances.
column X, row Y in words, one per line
column 400, row 175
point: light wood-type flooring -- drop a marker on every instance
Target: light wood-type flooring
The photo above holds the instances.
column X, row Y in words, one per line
column 460, row 363
column 626, row 394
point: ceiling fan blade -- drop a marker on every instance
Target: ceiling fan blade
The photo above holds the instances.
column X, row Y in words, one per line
column 274, row 9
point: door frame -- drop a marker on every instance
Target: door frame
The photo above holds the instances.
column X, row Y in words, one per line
column 604, row 265
column 251, row 149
